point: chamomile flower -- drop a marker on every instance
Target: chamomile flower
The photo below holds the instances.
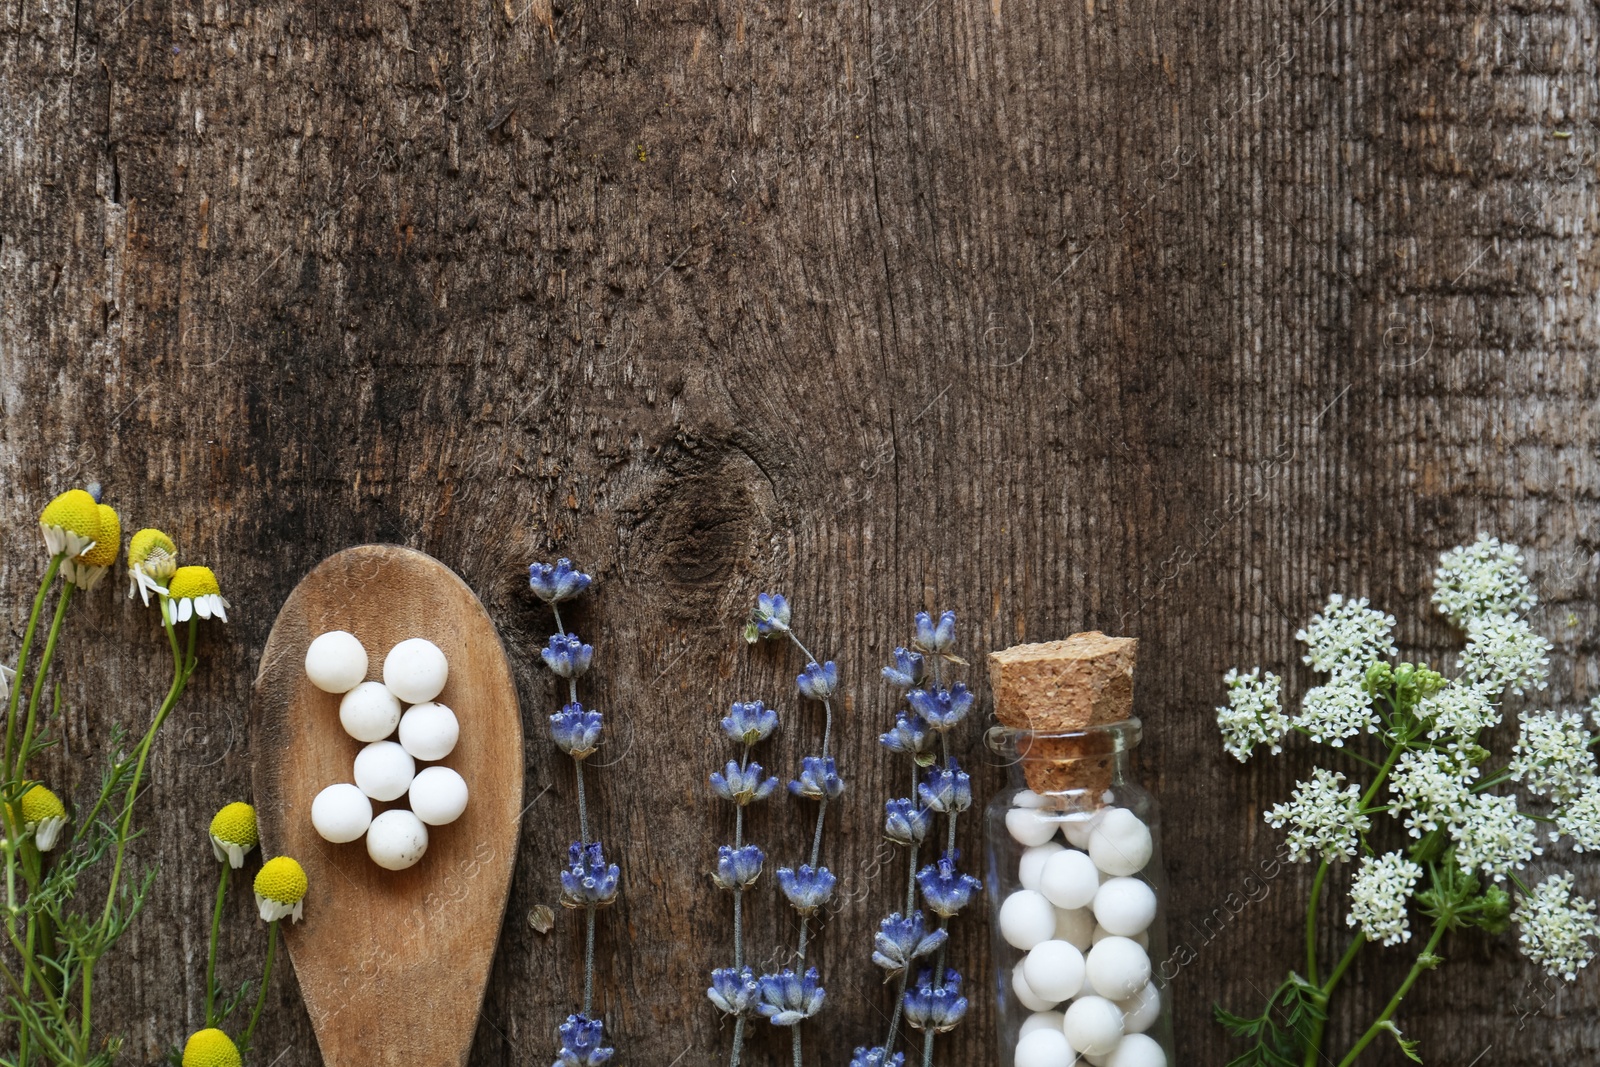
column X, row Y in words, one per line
column 210, row 1048
column 1378, row 897
column 194, row 591
column 1339, row 710
column 1557, row 927
column 1504, row 653
column 71, row 523
column 1458, row 711
column 1323, row 819
column 234, row 833
column 85, row 571
column 152, row 560
column 1430, row 787
column 45, row 815
column 1482, row 578
column 280, row 889
column 1347, row 636
column 1492, row 836
column 1580, row 818
column 6, row 674
column 1553, row 756
column 1254, row 715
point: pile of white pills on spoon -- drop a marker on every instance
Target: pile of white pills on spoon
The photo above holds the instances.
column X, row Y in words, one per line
column 414, row 673
column 1082, row 916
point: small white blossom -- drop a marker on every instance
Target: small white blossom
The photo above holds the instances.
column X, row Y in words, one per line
column 1482, row 578
column 1556, row 927
column 1379, row 895
column 1492, row 836
column 1348, row 637
column 1324, row 819
column 1503, row 652
column 1336, row 711
column 1254, row 714
column 1430, row 787
column 1458, row 711
column 1580, row 819
column 1552, row 756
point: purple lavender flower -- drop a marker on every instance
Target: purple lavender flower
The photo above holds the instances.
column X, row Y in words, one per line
column 905, row 823
column 819, row 680
column 936, row 1007
column 580, row 1043
column 576, row 731
column 742, row 784
column 588, row 880
column 819, row 778
column 788, row 998
column 807, row 888
column 935, row 637
column 734, row 990
column 772, row 614
column 738, row 868
column 944, row 889
column 946, row 789
column 906, row 671
column 874, row 1057
column 901, row 939
column 567, row 655
column 749, row 722
column 911, row 737
column 554, row 584
column 941, row 709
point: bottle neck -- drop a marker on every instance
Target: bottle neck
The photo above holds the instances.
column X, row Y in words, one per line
column 1076, row 765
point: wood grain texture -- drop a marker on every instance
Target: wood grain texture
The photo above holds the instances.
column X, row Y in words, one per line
column 1159, row 317
column 392, row 964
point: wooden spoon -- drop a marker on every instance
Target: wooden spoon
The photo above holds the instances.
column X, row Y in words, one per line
column 392, row 964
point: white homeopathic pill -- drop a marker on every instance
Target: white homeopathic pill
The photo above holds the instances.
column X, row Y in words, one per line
column 429, row 731
column 1077, row 826
column 1093, row 1025
column 396, row 839
column 438, row 795
column 1125, row 906
column 1031, row 866
column 341, row 813
column 1118, row 968
column 1040, row 1020
column 1137, row 1050
column 384, row 770
column 336, row 661
column 1076, row 927
column 1026, row 919
column 369, row 712
column 1025, row 994
column 1139, row 1011
column 1069, row 879
column 1030, row 826
column 1101, row 933
column 1054, row 970
column 1044, row 1048
column 415, row 670
column 1120, row 844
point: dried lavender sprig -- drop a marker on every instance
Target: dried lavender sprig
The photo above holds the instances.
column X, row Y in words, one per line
column 735, row 989
column 589, row 882
column 788, row 998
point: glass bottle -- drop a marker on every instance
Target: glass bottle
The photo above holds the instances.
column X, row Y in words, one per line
column 1074, row 863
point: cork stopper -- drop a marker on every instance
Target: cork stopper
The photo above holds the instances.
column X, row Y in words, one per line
column 1059, row 687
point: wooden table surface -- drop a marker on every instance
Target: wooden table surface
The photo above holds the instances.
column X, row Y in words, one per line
column 1161, row 317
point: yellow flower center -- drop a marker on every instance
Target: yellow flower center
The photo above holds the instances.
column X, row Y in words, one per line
column 210, row 1048
column 74, row 510
column 191, row 582
column 39, row 804
column 236, row 824
column 151, row 549
column 109, row 542
column 281, row 879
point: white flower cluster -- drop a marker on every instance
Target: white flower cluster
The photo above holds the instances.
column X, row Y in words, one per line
column 1482, row 578
column 1557, row 927
column 1347, row 636
column 1339, row 710
column 1458, row 712
column 1580, row 819
column 1503, row 653
column 1492, row 836
column 1379, row 895
column 1254, row 714
column 1322, row 818
column 1552, row 756
column 1430, row 788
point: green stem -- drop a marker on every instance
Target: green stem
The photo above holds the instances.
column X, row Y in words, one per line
column 38, row 681
column 211, row 957
column 1345, row 961
column 1311, row 922
column 1424, row 962
column 22, row 658
column 261, row 994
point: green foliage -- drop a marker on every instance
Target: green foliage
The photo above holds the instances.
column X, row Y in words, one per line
column 1284, row 1031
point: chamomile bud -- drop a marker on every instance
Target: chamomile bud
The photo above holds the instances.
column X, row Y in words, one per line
column 152, row 560
column 45, row 815
column 86, row 571
column 71, row 523
column 194, row 591
column 234, row 833
column 210, row 1048
column 280, row 889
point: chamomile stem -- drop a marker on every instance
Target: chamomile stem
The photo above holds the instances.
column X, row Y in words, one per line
column 38, row 680
column 22, row 658
column 266, row 979
column 211, row 956
column 1425, row 961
